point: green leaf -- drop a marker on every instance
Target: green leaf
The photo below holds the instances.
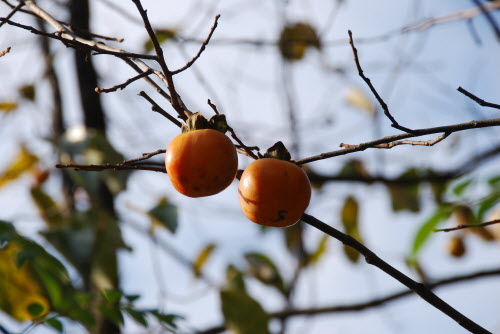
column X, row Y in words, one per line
column 132, row 298
column 427, row 228
column 162, row 35
column 243, row 314
column 234, row 279
column 24, row 162
column 164, row 214
column 138, row 316
column 405, row 197
column 486, row 204
column 263, row 269
column 202, row 258
column 349, row 217
column 35, row 309
column 55, row 324
column 112, row 296
column 167, row 319
column 494, row 182
column 320, row 250
column 461, row 187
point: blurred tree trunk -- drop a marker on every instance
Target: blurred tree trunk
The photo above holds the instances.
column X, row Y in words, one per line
column 94, row 118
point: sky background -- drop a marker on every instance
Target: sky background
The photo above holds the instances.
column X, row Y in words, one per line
column 416, row 73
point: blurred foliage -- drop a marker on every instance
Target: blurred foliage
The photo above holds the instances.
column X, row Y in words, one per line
column 296, row 39
column 163, row 35
column 22, row 163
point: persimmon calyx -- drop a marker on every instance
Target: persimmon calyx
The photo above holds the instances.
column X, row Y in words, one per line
column 198, row 122
column 278, row 151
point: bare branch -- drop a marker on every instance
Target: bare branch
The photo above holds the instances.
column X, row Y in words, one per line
column 78, row 42
column 13, row 11
column 489, row 18
column 460, row 15
column 460, row 227
column 246, row 150
column 175, row 98
column 125, row 84
column 416, row 133
column 145, row 156
column 3, row 53
column 419, row 288
column 481, row 102
column 98, row 168
column 404, row 142
column 160, row 110
column 440, row 176
column 384, row 106
column 203, row 46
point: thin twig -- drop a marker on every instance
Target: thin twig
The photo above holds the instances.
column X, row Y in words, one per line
column 12, row 12
column 489, row 18
column 4, row 330
column 384, row 106
column 438, row 176
column 203, row 46
column 247, row 150
column 145, row 156
column 460, row 227
column 98, row 168
column 183, row 113
column 405, row 142
column 160, row 110
column 91, row 34
column 3, row 53
column 416, row 133
column 78, row 42
column 419, row 288
column 125, row 84
column 481, row 102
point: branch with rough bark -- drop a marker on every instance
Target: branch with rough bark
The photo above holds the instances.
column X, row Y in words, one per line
column 461, row 227
column 368, row 304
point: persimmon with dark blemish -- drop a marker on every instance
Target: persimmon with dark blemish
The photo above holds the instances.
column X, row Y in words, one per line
column 274, row 192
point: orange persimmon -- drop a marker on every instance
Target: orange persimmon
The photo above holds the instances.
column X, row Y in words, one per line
column 274, row 192
column 201, row 162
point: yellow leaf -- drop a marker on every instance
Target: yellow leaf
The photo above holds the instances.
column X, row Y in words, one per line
column 21, row 296
column 296, row 39
column 357, row 98
column 24, row 161
column 202, row 258
column 8, row 106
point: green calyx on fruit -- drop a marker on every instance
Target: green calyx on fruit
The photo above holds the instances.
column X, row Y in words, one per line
column 278, row 151
column 198, row 122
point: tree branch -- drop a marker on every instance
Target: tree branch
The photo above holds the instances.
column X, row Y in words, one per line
column 155, row 107
column 489, row 18
column 460, row 227
column 384, row 106
column 481, row 102
column 175, row 98
column 203, row 46
column 13, row 11
column 98, row 168
column 145, row 156
column 3, row 53
column 369, row 304
column 125, row 84
column 419, row 288
column 404, row 142
column 416, row 133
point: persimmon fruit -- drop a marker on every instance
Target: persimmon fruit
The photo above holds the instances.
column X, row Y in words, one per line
column 274, row 192
column 201, row 162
